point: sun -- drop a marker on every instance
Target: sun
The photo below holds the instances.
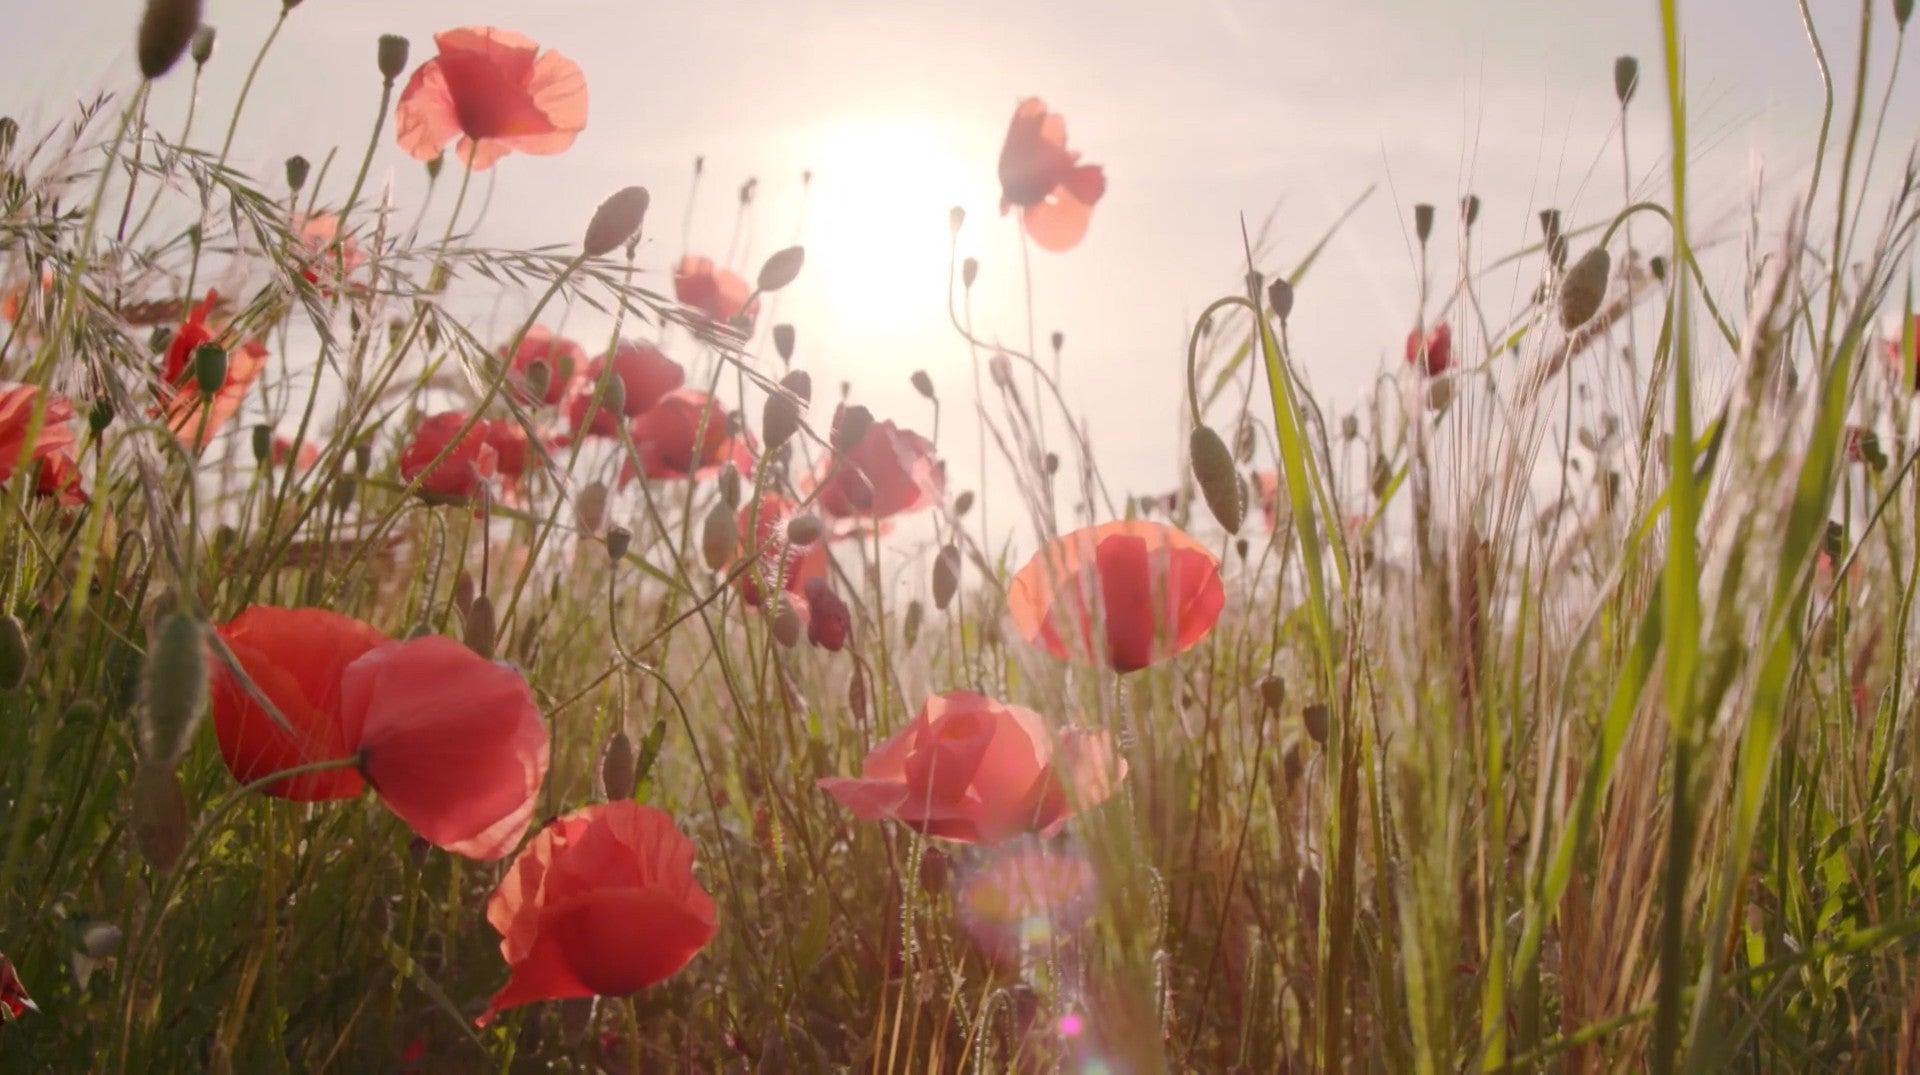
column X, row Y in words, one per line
column 879, row 227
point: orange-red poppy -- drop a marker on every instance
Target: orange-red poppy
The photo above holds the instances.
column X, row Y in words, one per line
column 14, row 1001
column 192, row 416
column 452, row 742
column 1038, row 173
column 975, row 770
column 604, row 902
column 562, row 358
column 497, row 92
column 664, row 435
column 890, row 472
column 464, row 470
column 304, row 456
column 52, row 448
column 327, row 258
column 512, row 452
column 719, row 293
column 1124, row 594
column 1431, row 354
column 646, row 375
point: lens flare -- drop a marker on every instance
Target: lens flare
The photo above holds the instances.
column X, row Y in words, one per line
column 1025, row 896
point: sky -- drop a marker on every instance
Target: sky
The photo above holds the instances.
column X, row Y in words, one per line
column 1198, row 111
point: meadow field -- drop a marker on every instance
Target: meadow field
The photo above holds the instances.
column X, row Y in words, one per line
column 426, row 653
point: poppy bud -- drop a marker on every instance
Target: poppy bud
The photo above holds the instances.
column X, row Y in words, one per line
column 343, row 491
column 956, row 218
column 209, row 369
column 780, row 418
column 1584, row 287
column 1243, row 441
column 946, row 576
column 783, row 341
column 1658, row 265
column 173, row 689
column 857, row 696
column 804, row 529
column 729, row 486
column 1240, row 548
column 852, row 429
column 969, row 271
column 1213, row 471
column 1422, row 221
column 1626, row 74
column 99, row 416
column 160, row 822
column 1470, row 209
column 263, row 444
column 1280, row 297
column 782, row 268
column 463, row 593
column 362, row 457
column 1315, row 719
column 611, row 395
column 1273, row 691
column 830, row 623
column 619, row 539
column 1902, row 11
column 392, row 56
column 786, row 625
column 166, row 29
column 1350, row 427
column 536, row 379
column 616, row 767
column 201, row 48
column 480, row 632
column 616, row 221
column 434, row 166
column 297, row 169
column 1058, row 340
column 719, row 536
column 922, row 383
column 910, row 628
column 747, row 189
column 1050, row 464
column 15, row 656
column 1000, row 368
column 963, row 503
column 590, row 507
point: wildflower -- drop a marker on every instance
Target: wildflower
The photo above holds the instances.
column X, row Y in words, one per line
column 495, row 90
column 974, row 770
column 327, row 257
column 645, row 374
column 1125, row 594
column 451, row 742
column 887, row 471
column 664, row 438
column 511, row 449
column 191, row 414
column 14, row 1000
column 829, row 622
column 785, row 564
column 1038, row 173
column 561, row 359
column 603, row 901
column 52, row 448
column 1433, row 353
column 464, row 470
column 720, row 294
column 305, row 455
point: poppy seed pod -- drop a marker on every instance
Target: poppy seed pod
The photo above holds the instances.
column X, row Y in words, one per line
column 392, row 56
column 1059, row 340
column 262, row 444
column 922, row 383
column 1000, row 368
column 481, row 631
column 719, row 536
column 1902, row 11
column 160, row 820
column 852, row 428
column 786, row 625
column 1422, row 221
column 173, row 689
column 201, row 48
column 616, row 767
column 616, row 222
column 619, row 539
column 781, row 269
column 297, row 169
column 1280, row 297
column 963, row 504
column 804, row 529
column 611, row 395
column 783, row 341
column 956, row 219
column 340, row 497
column 946, row 576
column 209, row 369
column 1626, row 75
column 1470, row 209
column 780, row 419
column 1213, row 471
column 1315, row 718
column 969, row 272
column 15, row 656
column 1584, row 287
column 166, row 29
column 1273, row 691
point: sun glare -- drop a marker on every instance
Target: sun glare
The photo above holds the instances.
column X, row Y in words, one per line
column 882, row 189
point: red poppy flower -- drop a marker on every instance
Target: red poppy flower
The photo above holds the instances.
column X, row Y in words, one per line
column 604, row 902
column 1125, row 594
column 52, row 448
column 465, row 469
column 646, row 374
column 452, row 743
column 306, row 455
column 511, row 450
column 561, row 357
column 1038, row 173
column 783, row 563
column 974, row 770
column 890, row 472
column 664, row 438
column 495, row 90
column 719, row 293
column 829, row 622
column 1433, row 354
column 192, row 417
column 296, row 657
column 328, row 259
column 14, row 1000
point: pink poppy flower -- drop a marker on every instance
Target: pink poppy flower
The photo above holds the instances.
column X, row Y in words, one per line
column 663, row 435
column 646, row 374
column 1038, row 173
column 464, row 470
column 719, row 293
column 891, row 471
column 1433, row 353
column 1125, row 594
column 497, row 92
